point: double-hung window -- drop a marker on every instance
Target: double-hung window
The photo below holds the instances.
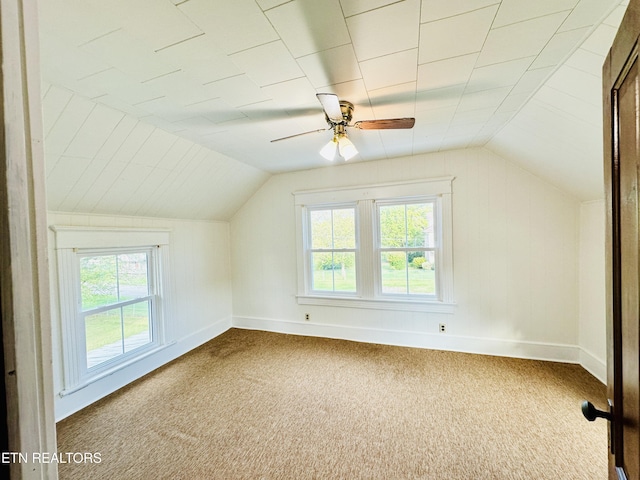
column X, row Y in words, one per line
column 407, row 247
column 118, row 296
column 383, row 246
column 113, row 302
column 331, row 249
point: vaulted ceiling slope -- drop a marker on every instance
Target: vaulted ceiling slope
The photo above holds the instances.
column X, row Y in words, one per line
column 195, row 90
column 567, row 149
column 101, row 160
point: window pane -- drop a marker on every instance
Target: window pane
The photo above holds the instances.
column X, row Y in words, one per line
column 321, row 234
column 394, row 272
column 393, row 230
column 137, row 331
column 322, row 268
column 421, row 273
column 334, row 272
column 132, row 276
column 344, row 228
column 104, row 336
column 114, row 332
column 344, row 275
column 98, row 281
column 430, row 230
column 332, row 229
column 419, row 222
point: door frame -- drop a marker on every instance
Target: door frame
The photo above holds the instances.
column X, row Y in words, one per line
column 624, row 51
column 24, row 277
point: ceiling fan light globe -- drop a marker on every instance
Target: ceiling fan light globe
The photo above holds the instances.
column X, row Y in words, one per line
column 329, row 150
column 347, row 149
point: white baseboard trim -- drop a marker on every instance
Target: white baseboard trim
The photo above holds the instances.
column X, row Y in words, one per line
column 73, row 402
column 435, row 341
column 593, row 365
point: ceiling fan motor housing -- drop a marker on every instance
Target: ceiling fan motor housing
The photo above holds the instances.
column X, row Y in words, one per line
column 347, row 113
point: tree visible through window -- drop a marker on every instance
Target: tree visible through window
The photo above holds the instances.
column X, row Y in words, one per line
column 407, row 248
column 116, row 304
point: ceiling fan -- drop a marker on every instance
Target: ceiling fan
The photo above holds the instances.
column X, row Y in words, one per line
column 338, row 114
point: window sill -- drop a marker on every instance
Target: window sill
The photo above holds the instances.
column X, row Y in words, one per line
column 378, row 304
column 114, row 368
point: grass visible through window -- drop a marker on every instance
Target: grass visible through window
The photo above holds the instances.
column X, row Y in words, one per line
column 106, row 328
column 395, row 280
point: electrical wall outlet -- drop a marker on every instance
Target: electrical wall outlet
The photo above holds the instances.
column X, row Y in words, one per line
column 307, row 317
column 443, row 328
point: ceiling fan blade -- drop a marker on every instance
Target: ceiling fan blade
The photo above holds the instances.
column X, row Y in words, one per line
column 331, row 106
column 300, row 134
column 388, row 123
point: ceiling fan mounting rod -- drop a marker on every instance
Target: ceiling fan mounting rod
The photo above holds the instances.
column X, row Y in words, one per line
column 339, row 130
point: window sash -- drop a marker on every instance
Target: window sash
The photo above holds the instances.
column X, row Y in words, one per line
column 435, row 249
column 112, row 306
column 309, row 269
column 124, row 354
column 81, row 315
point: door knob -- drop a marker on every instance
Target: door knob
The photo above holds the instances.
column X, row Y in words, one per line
column 591, row 413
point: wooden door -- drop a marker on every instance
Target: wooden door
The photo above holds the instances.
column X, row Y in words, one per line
column 621, row 89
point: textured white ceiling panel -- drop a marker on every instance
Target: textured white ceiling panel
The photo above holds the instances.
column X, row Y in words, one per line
column 94, row 132
column 309, row 27
column 443, row 73
column 515, row 11
column 121, row 50
column 172, row 106
column 332, row 66
column 498, row 74
column 237, row 90
column 578, row 83
column 75, row 21
column 158, row 24
column 292, row 93
column 600, row 40
column 233, row 26
column 454, row 36
column 589, row 12
column 373, row 35
column 559, row 47
column 437, row 9
column 267, row 64
column 69, row 118
column 354, row 7
column 71, row 63
column 520, row 40
column 390, row 69
column 200, row 58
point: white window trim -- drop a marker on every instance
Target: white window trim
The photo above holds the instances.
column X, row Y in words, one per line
column 68, row 240
column 364, row 196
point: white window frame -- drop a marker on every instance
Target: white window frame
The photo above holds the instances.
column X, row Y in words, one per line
column 367, row 263
column 309, row 250
column 73, row 242
column 437, row 248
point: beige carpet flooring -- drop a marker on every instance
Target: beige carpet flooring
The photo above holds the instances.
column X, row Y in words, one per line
column 257, row 405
